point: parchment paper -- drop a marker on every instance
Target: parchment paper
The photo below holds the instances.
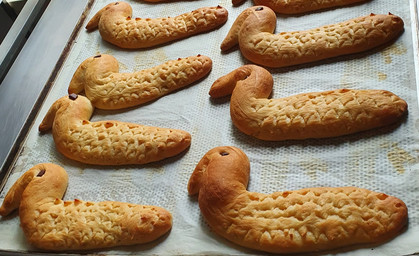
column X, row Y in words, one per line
column 384, row 160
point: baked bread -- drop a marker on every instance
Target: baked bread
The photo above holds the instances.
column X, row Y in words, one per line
column 304, row 220
column 300, row 6
column 254, row 27
column 308, row 115
column 106, row 88
column 108, row 142
column 117, row 26
column 50, row 223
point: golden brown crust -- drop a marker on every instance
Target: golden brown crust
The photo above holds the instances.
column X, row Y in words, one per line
column 303, row 6
column 106, row 88
column 302, row 116
column 304, row 220
column 108, row 142
column 117, row 26
column 50, row 223
column 254, row 27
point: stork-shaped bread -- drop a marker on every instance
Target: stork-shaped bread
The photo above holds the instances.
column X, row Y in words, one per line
column 254, row 27
column 302, row 116
column 106, row 88
column 108, row 142
column 305, row 220
column 117, row 26
column 50, row 223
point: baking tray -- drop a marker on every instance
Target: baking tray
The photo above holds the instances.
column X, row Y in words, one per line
column 384, row 160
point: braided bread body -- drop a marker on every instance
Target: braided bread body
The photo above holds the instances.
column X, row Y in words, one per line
column 108, row 142
column 106, row 88
column 305, row 220
column 117, row 26
column 254, row 27
column 302, row 116
column 50, row 223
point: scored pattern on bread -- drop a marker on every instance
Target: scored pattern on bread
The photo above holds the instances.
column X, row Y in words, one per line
column 307, row 115
column 254, row 27
column 53, row 224
column 106, row 88
column 304, row 220
column 108, row 142
column 117, row 26
column 300, row 6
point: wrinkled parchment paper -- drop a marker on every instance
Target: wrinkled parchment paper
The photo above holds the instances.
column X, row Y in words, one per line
column 384, row 160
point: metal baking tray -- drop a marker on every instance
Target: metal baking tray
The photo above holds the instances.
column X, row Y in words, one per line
column 59, row 43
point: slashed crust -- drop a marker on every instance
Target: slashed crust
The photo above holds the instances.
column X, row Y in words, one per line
column 305, row 220
column 308, row 115
column 107, row 88
column 254, row 29
column 117, row 26
column 108, row 142
column 50, row 223
column 301, row 6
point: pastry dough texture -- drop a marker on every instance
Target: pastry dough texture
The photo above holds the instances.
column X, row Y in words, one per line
column 50, row 223
column 108, row 142
column 106, row 88
column 254, row 27
column 117, row 26
column 307, row 115
column 300, row 6
column 305, row 220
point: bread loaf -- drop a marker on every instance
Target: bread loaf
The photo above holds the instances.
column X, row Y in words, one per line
column 106, row 88
column 300, row 6
column 117, row 26
column 302, row 116
column 254, row 27
column 50, row 223
column 299, row 221
column 108, row 142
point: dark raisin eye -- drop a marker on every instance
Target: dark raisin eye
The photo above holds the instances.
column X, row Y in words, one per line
column 259, row 9
column 116, row 3
column 97, row 56
column 224, row 153
column 73, row 96
column 41, row 173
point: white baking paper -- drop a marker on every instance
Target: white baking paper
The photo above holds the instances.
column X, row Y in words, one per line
column 384, row 160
